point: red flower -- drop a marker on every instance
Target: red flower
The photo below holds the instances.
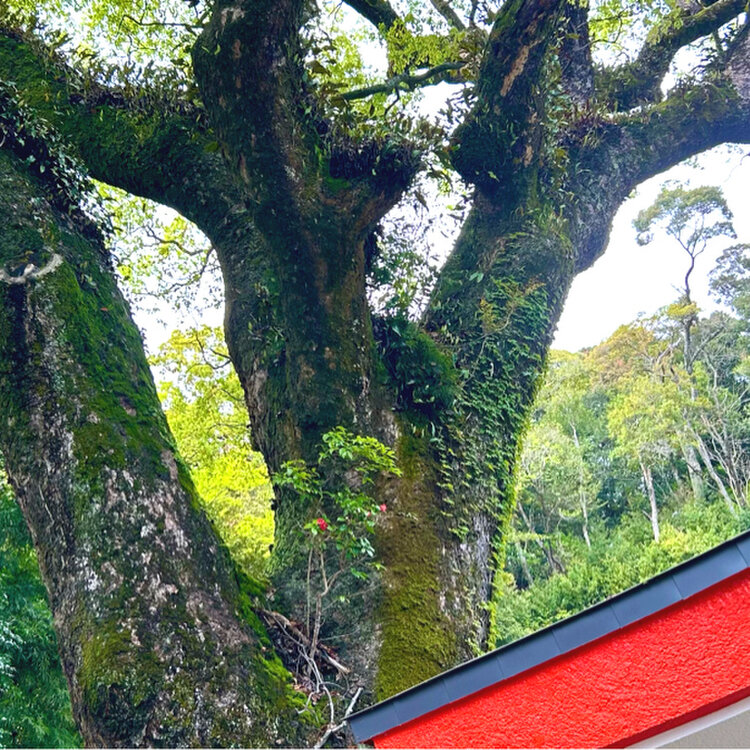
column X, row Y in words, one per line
column 322, row 523
column 383, row 508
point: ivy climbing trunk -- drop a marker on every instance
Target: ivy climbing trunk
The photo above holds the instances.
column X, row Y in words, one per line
column 157, row 639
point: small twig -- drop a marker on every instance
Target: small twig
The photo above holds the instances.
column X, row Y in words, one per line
column 308, row 589
column 296, row 634
column 403, row 81
column 331, row 729
column 151, row 232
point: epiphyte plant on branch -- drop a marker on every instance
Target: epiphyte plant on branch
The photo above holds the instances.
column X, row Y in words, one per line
column 257, row 121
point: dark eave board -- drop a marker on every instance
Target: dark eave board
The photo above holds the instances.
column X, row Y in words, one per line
column 641, row 601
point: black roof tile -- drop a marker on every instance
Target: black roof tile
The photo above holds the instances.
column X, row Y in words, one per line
column 653, row 595
column 528, row 653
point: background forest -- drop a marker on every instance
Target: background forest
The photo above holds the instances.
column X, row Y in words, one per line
column 637, row 457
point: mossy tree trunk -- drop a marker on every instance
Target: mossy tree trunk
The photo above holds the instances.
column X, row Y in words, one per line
column 157, row 640
column 289, row 207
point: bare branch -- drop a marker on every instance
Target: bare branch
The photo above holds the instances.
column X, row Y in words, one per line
column 331, row 729
column 446, row 11
column 405, row 81
column 473, row 13
column 294, row 632
column 377, row 12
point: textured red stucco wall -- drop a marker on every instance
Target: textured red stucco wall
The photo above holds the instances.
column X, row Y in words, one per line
column 672, row 666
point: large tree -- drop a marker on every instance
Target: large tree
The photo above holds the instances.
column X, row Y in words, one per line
column 289, row 174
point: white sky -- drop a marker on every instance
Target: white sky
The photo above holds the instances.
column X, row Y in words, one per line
column 628, row 279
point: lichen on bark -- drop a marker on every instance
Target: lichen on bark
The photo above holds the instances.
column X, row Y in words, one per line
column 145, row 599
column 154, row 627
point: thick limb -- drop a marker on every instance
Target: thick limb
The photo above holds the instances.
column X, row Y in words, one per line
column 638, row 82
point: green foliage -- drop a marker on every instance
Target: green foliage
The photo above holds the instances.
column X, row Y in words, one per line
column 34, row 702
column 339, row 496
column 646, row 419
column 613, row 21
column 401, row 265
column 617, row 560
column 159, row 254
column 730, row 279
column 339, row 518
column 424, row 376
column 409, row 50
column 155, row 31
column 204, row 406
column 692, row 216
column 553, row 471
column 497, row 353
column 623, row 437
column 47, row 156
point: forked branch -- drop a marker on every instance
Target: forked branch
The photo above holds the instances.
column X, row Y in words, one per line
column 639, row 82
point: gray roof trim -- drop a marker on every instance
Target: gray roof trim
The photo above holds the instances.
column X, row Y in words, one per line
column 658, row 593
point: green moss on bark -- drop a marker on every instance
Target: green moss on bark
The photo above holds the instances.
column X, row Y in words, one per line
column 148, row 609
column 119, row 684
column 418, row 639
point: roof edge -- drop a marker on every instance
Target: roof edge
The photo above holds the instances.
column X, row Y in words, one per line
column 642, row 600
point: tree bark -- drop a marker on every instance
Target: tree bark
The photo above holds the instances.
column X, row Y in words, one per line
column 694, row 471
column 653, row 515
column 708, row 463
column 582, row 499
column 524, row 563
column 289, row 204
column 157, row 639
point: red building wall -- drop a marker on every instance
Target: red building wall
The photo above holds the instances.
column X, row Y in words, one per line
column 684, row 661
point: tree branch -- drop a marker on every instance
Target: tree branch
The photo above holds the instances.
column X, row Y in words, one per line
column 690, row 120
column 137, row 143
column 377, row 12
column 639, row 81
column 406, row 81
column 292, row 631
column 252, row 50
column 283, row 152
column 446, row 11
column 576, row 67
column 501, row 137
column 615, row 155
column 31, row 272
